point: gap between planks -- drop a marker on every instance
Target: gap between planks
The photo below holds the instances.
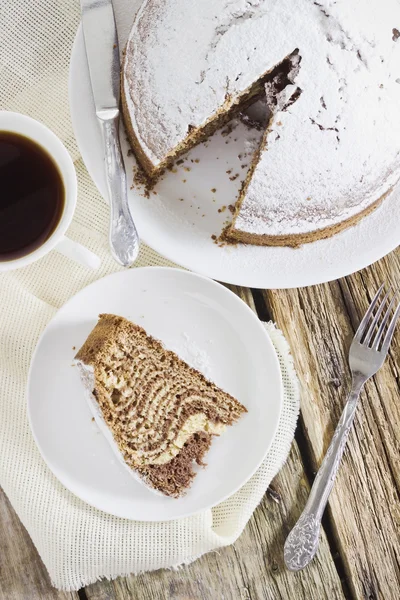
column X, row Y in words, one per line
column 251, row 569
column 264, row 313
column 363, row 521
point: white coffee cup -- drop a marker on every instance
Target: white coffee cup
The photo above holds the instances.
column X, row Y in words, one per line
column 39, row 133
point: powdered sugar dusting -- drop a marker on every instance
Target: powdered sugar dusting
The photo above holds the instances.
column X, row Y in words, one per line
column 195, row 356
column 251, row 145
column 333, row 152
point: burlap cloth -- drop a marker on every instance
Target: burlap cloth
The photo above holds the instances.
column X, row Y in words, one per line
column 78, row 543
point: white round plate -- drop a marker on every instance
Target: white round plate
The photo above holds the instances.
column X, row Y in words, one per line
column 199, row 319
column 182, row 230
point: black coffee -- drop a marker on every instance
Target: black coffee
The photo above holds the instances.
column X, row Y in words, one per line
column 32, row 195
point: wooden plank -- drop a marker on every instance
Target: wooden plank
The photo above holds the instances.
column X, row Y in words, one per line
column 319, row 323
column 251, row 569
column 22, row 573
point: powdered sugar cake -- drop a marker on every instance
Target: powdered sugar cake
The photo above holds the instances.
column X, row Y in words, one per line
column 331, row 74
column 158, row 413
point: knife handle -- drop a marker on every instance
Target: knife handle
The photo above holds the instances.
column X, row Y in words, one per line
column 123, row 236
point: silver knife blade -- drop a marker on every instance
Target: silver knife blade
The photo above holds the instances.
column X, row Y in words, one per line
column 101, row 41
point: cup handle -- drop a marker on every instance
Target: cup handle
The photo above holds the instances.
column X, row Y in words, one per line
column 78, row 253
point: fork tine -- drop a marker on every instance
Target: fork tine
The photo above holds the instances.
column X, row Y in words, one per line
column 376, row 317
column 385, row 320
column 367, row 316
column 390, row 331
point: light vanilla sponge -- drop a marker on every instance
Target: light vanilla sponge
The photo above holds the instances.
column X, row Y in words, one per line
column 160, row 414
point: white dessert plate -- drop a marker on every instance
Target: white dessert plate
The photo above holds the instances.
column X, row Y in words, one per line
column 179, row 221
column 209, row 327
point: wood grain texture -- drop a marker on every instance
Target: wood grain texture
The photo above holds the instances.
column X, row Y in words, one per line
column 363, row 518
column 364, row 512
column 22, row 574
column 251, row 569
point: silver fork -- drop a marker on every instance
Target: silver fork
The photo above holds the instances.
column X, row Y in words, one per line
column 367, row 354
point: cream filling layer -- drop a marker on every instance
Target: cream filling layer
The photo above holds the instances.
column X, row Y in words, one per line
column 194, row 424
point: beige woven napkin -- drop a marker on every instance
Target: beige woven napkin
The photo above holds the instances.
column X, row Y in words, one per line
column 78, row 543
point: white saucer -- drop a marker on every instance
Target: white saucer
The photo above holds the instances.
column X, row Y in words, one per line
column 179, row 231
column 209, row 327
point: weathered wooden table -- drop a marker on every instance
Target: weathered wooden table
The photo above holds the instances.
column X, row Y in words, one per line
column 359, row 555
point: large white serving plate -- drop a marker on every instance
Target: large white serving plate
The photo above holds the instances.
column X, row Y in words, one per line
column 209, row 327
column 182, row 230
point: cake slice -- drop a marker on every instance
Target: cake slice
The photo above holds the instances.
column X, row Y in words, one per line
column 158, row 413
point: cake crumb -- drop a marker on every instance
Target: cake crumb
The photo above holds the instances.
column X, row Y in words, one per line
column 140, row 179
column 231, row 208
column 213, row 190
column 221, row 243
column 186, row 169
column 181, row 199
column 92, row 418
column 196, row 160
column 222, row 209
column 229, row 128
column 234, row 177
column 214, row 237
column 229, row 171
column 180, row 161
column 184, row 180
column 73, row 347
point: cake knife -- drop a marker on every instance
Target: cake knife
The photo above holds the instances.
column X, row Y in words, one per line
column 101, row 42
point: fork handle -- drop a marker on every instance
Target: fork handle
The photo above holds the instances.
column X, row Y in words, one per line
column 302, row 542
